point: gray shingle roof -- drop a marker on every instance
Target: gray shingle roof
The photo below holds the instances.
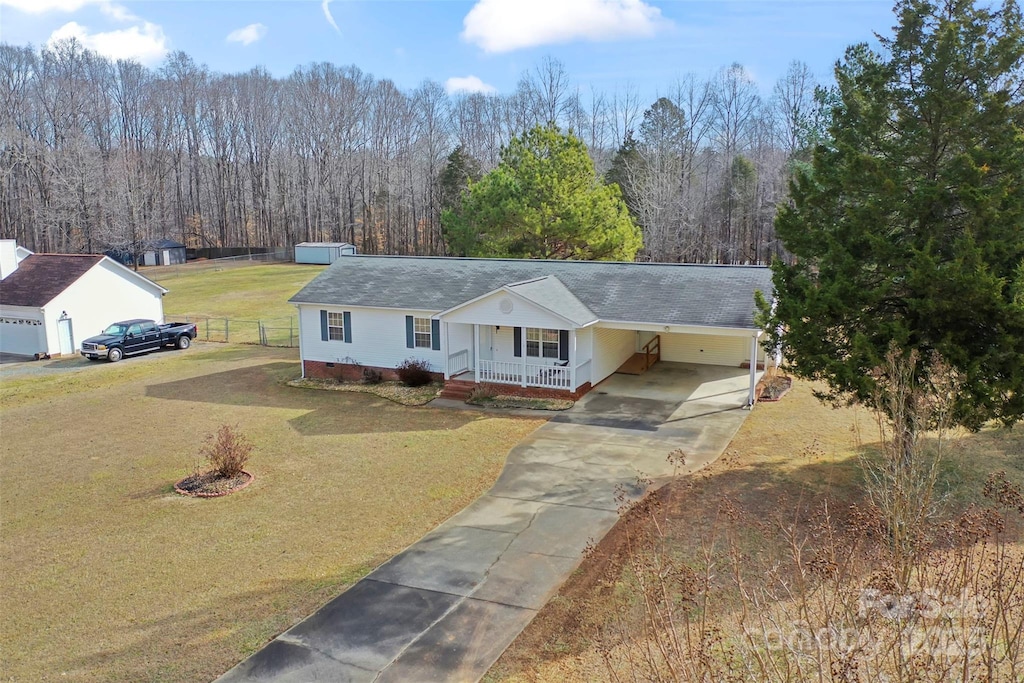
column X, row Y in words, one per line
column 549, row 292
column 657, row 293
column 41, row 277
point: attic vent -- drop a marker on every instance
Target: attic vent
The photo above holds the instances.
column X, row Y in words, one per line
column 506, row 305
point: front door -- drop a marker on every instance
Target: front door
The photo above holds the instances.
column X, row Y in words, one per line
column 65, row 337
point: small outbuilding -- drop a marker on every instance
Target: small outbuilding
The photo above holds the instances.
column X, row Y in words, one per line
column 163, row 253
column 50, row 302
column 322, row 253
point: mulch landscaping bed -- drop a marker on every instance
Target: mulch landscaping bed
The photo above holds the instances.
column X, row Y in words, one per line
column 393, row 391
column 502, row 401
column 774, row 388
column 212, row 485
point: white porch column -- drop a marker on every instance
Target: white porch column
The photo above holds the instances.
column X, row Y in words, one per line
column 753, row 368
column 444, row 350
column 572, row 359
column 476, row 353
column 522, row 342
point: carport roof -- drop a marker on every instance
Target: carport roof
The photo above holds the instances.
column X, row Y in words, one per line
column 651, row 293
column 41, row 277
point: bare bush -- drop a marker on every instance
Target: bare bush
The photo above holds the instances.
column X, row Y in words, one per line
column 414, row 372
column 913, row 428
column 372, row 376
column 227, row 451
column 815, row 598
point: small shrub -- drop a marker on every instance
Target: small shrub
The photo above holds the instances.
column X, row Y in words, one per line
column 227, row 451
column 414, row 372
column 372, row 376
column 482, row 393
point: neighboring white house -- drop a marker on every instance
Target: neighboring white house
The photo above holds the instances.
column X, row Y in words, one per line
column 10, row 256
column 546, row 327
column 50, row 302
column 324, row 253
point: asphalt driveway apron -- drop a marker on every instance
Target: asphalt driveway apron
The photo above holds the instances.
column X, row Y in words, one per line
column 448, row 606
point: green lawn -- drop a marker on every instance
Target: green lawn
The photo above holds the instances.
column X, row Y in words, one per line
column 244, row 294
column 107, row 575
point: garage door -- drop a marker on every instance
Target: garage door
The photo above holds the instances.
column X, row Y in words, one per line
column 21, row 335
column 705, row 348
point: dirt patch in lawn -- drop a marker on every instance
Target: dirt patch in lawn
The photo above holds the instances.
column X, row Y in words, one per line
column 110, row 575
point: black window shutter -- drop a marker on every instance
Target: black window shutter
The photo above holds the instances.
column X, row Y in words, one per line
column 517, row 343
column 348, row 327
column 324, row 335
column 435, row 335
column 563, row 345
column 410, row 334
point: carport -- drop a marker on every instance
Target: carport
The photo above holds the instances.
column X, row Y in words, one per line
column 665, row 399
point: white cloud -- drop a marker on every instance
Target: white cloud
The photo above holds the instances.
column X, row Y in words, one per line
column 247, row 35
column 145, row 43
column 325, row 6
column 112, row 10
column 506, row 25
column 467, row 84
column 43, row 6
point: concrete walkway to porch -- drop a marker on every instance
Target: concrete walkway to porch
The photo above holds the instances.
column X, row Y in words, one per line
column 448, row 606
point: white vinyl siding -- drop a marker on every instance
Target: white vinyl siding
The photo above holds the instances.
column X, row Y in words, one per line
column 521, row 313
column 707, row 349
column 378, row 338
column 612, row 348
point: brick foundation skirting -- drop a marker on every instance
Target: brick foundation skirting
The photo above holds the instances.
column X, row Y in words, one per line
column 347, row 372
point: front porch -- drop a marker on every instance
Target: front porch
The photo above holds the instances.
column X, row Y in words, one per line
column 527, row 358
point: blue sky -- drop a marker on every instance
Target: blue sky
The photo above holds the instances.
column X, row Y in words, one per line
column 471, row 44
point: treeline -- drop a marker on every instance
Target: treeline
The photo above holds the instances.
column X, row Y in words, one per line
column 96, row 154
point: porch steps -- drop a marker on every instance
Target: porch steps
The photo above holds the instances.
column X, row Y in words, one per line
column 637, row 365
column 457, row 390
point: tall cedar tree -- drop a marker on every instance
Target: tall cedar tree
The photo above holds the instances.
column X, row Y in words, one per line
column 544, row 200
column 908, row 227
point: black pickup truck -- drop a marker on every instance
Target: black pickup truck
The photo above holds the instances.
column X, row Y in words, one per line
column 131, row 337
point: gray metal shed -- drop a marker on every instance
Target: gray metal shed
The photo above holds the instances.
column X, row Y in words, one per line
column 323, row 253
column 163, row 252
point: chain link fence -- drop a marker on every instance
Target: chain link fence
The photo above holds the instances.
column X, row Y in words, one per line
column 282, row 332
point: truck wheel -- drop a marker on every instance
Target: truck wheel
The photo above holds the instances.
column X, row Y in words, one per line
column 184, row 341
column 115, row 354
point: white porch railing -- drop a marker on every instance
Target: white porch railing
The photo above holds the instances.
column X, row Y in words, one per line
column 549, row 376
column 458, row 362
column 511, row 372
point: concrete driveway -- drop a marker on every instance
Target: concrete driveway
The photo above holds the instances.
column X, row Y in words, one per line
column 448, row 606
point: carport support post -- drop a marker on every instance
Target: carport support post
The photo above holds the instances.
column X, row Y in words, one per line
column 753, row 368
column 476, row 353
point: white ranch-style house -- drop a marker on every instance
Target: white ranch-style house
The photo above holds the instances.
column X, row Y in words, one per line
column 537, row 328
